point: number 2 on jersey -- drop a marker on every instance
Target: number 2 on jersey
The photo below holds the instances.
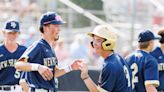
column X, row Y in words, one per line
column 134, row 68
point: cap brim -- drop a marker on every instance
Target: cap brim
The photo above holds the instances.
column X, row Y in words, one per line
column 157, row 38
column 58, row 22
column 6, row 30
column 90, row 34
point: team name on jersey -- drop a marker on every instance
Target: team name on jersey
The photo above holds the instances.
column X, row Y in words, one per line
column 7, row 63
column 50, row 61
column 161, row 66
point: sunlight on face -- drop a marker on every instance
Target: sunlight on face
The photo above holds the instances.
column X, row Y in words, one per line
column 53, row 31
column 11, row 36
column 97, row 44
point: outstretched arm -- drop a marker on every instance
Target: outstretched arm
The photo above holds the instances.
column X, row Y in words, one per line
column 61, row 71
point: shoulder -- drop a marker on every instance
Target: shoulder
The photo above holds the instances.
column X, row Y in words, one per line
column 2, row 49
column 133, row 55
column 36, row 44
column 109, row 69
column 1, row 46
column 114, row 62
column 34, row 47
column 151, row 58
column 22, row 47
column 156, row 51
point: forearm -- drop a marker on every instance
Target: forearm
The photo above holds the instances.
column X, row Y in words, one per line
column 92, row 87
column 150, row 88
column 25, row 66
column 61, row 71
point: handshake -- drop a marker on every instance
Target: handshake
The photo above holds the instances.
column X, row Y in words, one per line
column 47, row 73
column 81, row 65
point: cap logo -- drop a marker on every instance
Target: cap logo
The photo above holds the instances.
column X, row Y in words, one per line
column 13, row 24
column 58, row 18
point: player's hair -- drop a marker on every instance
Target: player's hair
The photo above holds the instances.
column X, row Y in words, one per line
column 144, row 45
column 161, row 32
column 41, row 28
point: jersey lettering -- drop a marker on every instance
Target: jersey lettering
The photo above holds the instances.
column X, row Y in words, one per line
column 50, row 61
column 161, row 66
column 7, row 63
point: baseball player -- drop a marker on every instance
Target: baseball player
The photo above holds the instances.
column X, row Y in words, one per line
column 158, row 54
column 115, row 75
column 40, row 59
column 144, row 66
column 10, row 52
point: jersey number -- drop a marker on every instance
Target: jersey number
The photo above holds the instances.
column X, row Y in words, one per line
column 134, row 68
column 17, row 74
column 127, row 75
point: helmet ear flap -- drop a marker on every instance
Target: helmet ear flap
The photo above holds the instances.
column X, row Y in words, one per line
column 92, row 44
column 108, row 45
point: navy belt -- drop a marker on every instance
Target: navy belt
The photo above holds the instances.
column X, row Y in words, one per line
column 8, row 88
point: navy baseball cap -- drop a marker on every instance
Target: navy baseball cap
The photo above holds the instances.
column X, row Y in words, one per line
column 11, row 26
column 146, row 35
column 51, row 18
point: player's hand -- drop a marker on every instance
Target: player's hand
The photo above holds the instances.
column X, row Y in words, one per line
column 84, row 70
column 76, row 65
column 45, row 72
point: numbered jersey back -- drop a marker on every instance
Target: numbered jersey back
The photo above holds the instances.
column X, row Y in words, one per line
column 115, row 75
column 144, row 70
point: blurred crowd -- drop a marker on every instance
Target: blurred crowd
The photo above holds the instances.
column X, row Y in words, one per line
column 28, row 12
column 76, row 45
column 19, row 9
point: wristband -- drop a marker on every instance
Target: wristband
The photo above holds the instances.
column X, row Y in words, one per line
column 35, row 67
column 67, row 69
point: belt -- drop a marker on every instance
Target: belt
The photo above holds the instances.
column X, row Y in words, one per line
column 7, row 88
column 39, row 90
